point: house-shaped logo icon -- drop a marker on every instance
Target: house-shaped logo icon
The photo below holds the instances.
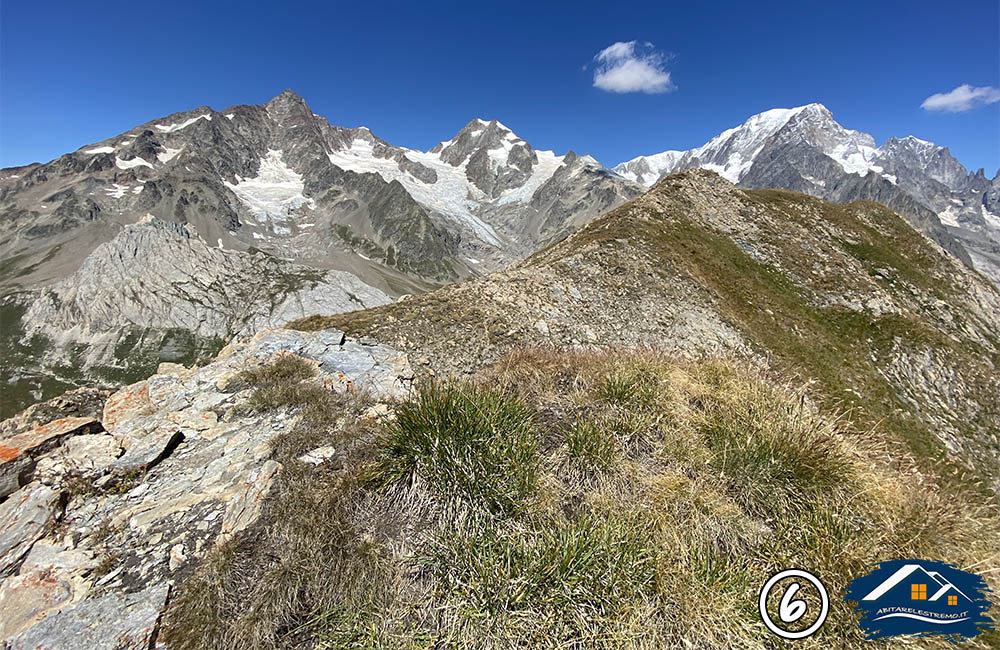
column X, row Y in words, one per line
column 920, row 597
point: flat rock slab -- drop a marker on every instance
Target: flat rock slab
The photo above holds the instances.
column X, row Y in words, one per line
column 244, row 509
column 126, row 403
column 80, row 402
column 194, row 419
column 15, row 446
column 16, row 452
column 23, row 517
column 148, row 450
column 115, row 621
column 51, row 579
column 379, row 369
column 318, row 456
column 86, row 455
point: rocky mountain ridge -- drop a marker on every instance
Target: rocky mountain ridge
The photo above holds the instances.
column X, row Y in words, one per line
column 887, row 323
column 279, row 178
column 272, row 186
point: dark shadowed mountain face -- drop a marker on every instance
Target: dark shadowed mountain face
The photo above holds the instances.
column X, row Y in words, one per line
column 806, row 150
column 161, row 242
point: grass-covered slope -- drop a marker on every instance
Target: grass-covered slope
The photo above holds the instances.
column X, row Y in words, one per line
column 566, row 500
column 850, row 297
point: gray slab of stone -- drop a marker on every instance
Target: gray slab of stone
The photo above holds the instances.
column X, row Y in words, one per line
column 17, row 453
column 23, row 517
column 14, row 474
column 115, row 621
column 51, row 579
column 147, row 451
column 245, row 508
column 353, row 361
column 86, row 456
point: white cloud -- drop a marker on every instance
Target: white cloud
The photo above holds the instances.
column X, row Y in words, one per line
column 632, row 67
column 963, row 98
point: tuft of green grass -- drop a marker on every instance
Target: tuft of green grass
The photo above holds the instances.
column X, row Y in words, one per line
column 633, row 385
column 592, row 446
column 286, row 368
column 548, row 585
column 474, row 444
column 772, row 452
column 284, row 382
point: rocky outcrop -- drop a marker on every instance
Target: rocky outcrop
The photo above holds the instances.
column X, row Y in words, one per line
column 92, row 540
column 157, row 292
column 17, row 452
column 81, row 402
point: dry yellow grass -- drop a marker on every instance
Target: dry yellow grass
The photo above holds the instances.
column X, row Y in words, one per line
column 629, row 501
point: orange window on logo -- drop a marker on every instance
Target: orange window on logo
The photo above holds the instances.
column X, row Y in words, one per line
column 918, row 592
column 952, row 600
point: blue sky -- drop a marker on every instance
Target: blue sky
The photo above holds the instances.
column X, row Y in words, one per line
column 415, row 73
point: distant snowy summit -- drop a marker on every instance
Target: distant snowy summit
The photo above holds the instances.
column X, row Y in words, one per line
column 806, row 150
column 733, row 152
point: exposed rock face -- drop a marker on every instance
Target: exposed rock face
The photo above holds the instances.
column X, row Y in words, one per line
column 158, row 293
column 183, row 466
column 247, row 177
column 804, row 149
column 155, row 275
column 123, row 621
column 81, row 402
column 24, row 516
column 17, row 452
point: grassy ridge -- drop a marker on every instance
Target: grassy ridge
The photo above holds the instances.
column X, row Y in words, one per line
column 571, row 500
column 793, row 275
column 780, row 310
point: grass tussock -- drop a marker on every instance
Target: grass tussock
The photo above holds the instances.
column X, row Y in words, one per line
column 477, row 445
column 285, row 382
column 573, row 500
column 592, row 446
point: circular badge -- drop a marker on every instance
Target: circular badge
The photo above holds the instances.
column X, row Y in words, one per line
column 791, row 607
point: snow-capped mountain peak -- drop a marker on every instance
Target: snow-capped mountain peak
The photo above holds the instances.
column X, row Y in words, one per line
column 479, row 135
column 733, row 152
column 730, row 154
column 805, row 149
column 485, row 166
